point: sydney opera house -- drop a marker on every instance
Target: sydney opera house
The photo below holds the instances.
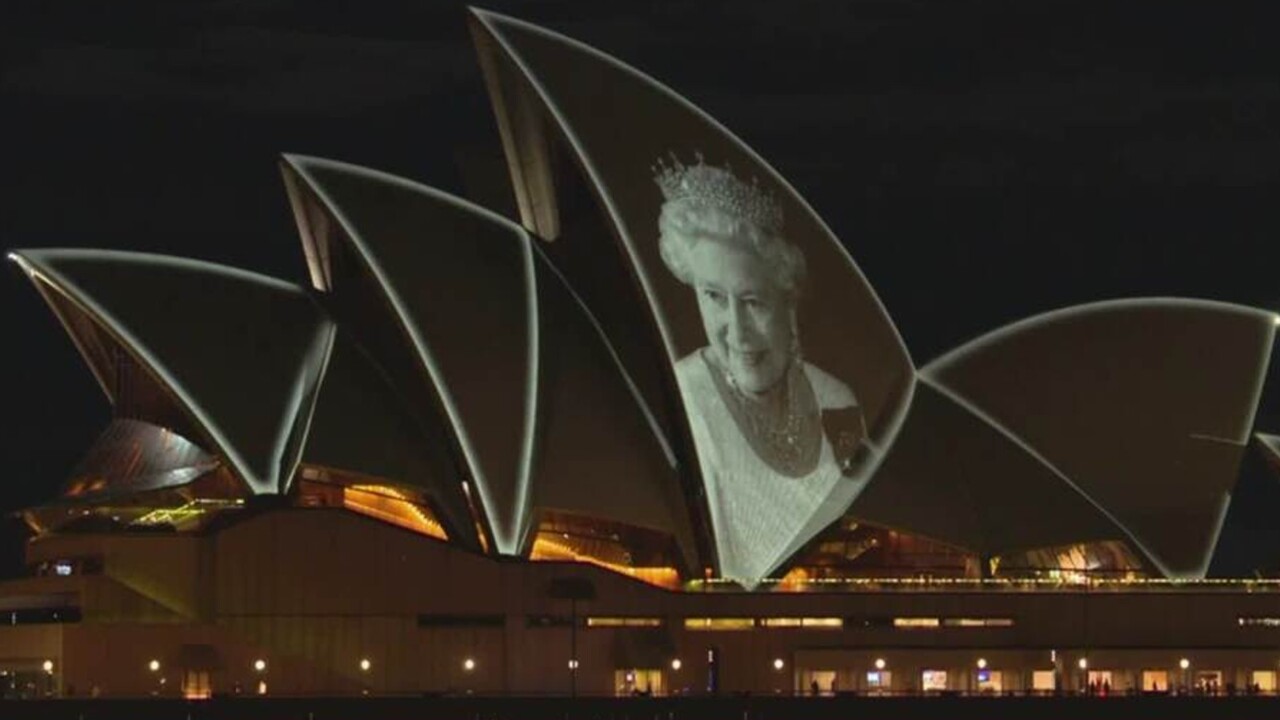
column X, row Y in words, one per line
column 659, row 436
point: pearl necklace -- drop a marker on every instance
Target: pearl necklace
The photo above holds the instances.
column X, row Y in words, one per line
column 787, row 439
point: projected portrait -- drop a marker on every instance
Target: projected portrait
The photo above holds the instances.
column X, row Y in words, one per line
column 775, row 434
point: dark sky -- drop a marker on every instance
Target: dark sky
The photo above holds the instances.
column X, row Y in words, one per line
column 982, row 160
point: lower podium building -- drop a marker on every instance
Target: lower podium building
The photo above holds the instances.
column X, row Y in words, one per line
column 327, row 601
column 660, row 436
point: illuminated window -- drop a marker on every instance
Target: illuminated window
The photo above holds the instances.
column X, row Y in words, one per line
column 879, row 681
column 612, row 622
column 1265, row 680
column 638, row 553
column 195, row 685
column 721, row 623
column 990, row 681
column 1080, row 563
column 978, row 622
column 638, row 681
column 933, row 680
column 394, row 506
column 1044, row 680
column 1271, row 622
column 916, row 623
column 1155, row 680
column 817, row 623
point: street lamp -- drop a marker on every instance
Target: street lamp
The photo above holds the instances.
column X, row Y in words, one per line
column 260, row 665
column 778, row 664
column 879, row 663
column 154, row 666
column 47, row 665
column 982, row 663
column 365, row 664
column 675, row 664
column 468, row 664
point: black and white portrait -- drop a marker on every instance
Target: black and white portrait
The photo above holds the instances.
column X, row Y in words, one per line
column 777, row 436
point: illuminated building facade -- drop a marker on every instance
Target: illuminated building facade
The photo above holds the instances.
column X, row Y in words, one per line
column 659, row 436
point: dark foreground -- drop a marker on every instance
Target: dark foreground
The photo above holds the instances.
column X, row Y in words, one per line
column 684, row 708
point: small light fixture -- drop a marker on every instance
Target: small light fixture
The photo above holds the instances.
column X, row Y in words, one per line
column 573, row 664
column 468, row 664
column 154, row 666
column 1083, row 663
column 982, row 663
column 675, row 664
column 879, row 663
column 778, row 664
column 48, row 666
column 1184, row 663
column 365, row 664
column 260, row 665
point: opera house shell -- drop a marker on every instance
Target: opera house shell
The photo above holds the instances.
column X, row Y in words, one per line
column 665, row 407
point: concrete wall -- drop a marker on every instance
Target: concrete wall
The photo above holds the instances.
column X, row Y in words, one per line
column 316, row 591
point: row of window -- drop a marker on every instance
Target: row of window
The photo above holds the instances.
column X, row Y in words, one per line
column 837, row 623
column 720, row 623
column 751, row 623
column 71, row 614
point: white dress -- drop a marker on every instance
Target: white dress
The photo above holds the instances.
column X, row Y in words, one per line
column 758, row 515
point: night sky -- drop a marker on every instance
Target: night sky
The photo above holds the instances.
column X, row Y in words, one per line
column 983, row 161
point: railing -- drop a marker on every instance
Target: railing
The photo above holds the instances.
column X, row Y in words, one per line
column 1074, row 584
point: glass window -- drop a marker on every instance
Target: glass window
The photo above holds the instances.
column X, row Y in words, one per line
column 720, row 623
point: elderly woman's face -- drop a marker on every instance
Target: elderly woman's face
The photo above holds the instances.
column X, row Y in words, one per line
column 746, row 315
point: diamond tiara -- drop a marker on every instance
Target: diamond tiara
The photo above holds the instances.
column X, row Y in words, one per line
column 707, row 186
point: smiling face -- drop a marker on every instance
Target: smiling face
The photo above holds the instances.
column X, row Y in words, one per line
column 746, row 315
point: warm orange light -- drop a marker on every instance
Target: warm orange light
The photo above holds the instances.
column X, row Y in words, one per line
column 796, row 580
column 391, row 505
column 545, row 548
